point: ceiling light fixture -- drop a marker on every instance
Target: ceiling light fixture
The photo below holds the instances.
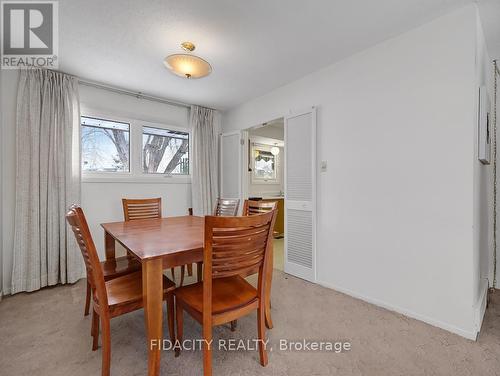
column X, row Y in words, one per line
column 275, row 150
column 187, row 65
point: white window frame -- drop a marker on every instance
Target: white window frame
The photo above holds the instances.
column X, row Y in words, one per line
column 146, row 124
column 277, row 158
column 108, row 117
column 135, row 174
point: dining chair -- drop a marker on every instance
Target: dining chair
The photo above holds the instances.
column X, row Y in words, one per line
column 114, row 297
column 226, row 207
column 232, row 247
column 111, row 269
column 149, row 208
column 251, row 207
column 254, row 207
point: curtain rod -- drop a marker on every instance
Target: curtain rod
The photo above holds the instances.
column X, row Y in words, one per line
column 136, row 94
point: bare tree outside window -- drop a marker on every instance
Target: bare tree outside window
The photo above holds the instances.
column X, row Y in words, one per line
column 165, row 151
column 105, row 145
column 106, row 148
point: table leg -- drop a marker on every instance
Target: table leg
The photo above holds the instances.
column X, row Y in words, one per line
column 269, row 280
column 109, row 246
column 152, row 293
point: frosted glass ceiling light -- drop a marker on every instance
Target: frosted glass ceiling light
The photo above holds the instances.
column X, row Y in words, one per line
column 187, row 65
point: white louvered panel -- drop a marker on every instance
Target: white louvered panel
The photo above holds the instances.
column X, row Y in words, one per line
column 300, row 246
column 300, row 197
column 299, row 188
column 299, row 158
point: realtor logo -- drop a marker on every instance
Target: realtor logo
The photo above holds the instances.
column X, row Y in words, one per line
column 29, row 34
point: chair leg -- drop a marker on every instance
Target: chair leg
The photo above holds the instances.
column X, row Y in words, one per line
column 190, row 269
column 261, row 335
column 269, row 320
column 106, row 346
column 183, row 273
column 234, row 324
column 207, row 350
column 172, row 270
column 268, row 282
column 199, row 271
column 87, row 299
column 179, row 318
column 95, row 330
column 170, row 317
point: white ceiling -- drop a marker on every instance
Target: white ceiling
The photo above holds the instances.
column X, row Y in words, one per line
column 253, row 46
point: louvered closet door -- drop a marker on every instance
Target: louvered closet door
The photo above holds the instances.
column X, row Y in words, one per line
column 300, row 194
column 231, row 149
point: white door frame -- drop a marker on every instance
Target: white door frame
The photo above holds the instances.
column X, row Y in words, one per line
column 242, row 157
column 245, row 179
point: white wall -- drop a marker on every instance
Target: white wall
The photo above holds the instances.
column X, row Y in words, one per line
column 395, row 213
column 101, row 201
column 483, row 192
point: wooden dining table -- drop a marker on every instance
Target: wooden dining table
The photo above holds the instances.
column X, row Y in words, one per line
column 160, row 244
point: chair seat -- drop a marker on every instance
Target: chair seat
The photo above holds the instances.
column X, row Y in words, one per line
column 119, row 266
column 128, row 289
column 227, row 294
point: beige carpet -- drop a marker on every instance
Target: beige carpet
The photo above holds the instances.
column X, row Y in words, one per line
column 44, row 333
column 279, row 254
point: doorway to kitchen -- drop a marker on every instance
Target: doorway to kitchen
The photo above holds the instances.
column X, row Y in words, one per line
column 276, row 161
column 264, row 171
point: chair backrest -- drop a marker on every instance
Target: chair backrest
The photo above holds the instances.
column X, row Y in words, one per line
column 226, row 207
column 251, row 207
column 76, row 219
column 149, row 208
column 235, row 246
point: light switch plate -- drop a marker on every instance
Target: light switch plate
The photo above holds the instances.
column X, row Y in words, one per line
column 324, row 166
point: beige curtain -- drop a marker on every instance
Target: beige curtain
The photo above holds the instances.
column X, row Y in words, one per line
column 47, row 180
column 205, row 125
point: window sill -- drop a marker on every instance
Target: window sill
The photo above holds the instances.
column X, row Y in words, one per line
column 137, row 179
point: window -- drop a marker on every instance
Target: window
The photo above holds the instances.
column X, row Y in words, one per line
column 105, row 145
column 265, row 164
column 165, row 151
column 128, row 150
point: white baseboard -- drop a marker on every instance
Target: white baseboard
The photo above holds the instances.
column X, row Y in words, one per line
column 480, row 307
column 428, row 320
